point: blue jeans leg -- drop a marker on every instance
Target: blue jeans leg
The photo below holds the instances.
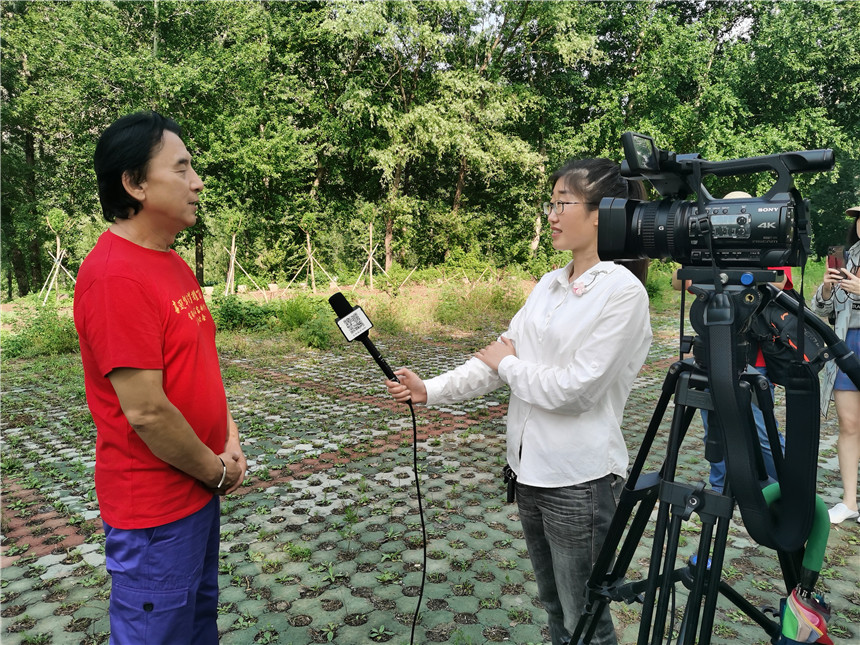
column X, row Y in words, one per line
column 564, row 529
column 717, row 477
column 164, row 581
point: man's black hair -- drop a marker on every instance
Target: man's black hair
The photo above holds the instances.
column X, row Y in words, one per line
column 126, row 147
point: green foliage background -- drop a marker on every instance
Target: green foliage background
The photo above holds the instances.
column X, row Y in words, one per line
column 42, row 331
column 436, row 122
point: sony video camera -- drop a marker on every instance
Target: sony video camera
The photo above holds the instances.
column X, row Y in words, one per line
column 766, row 231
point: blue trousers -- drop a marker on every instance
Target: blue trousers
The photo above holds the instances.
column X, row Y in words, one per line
column 717, row 478
column 564, row 529
column 164, row 581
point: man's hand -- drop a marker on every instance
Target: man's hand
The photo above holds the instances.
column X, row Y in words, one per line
column 234, row 459
column 168, row 435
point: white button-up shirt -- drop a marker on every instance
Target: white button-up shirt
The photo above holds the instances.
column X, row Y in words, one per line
column 579, row 347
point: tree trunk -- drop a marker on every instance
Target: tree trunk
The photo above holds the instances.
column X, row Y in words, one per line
column 36, row 274
column 461, row 183
column 198, row 256
column 18, row 270
column 155, row 31
column 314, row 200
column 370, row 258
column 33, row 247
column 231, row 271
column 311, row 262
column 389, row 237
column 535, row 243
column 317, row 179
column 389, row 217
column 19, row 266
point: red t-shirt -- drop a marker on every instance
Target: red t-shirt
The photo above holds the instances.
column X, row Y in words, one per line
column 140, row 308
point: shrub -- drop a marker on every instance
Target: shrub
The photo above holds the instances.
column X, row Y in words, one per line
column 296, row 312
column 318, row 332
column 659, row 283
column 41, row 331
column 386, row 317
column 309, row 320
column 477, row 307
column 231, row 313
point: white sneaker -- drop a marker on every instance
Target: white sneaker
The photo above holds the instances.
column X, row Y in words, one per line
column 840, row 513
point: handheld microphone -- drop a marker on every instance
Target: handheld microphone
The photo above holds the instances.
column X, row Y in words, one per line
column 354, row 325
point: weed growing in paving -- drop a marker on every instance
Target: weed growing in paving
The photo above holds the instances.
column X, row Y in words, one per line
column 380, row 634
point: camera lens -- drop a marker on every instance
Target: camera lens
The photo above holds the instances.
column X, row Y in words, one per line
column 673, row 229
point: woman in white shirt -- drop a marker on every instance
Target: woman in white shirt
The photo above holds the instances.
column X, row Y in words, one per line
column 570, row 357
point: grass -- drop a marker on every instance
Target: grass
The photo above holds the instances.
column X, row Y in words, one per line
column 452, row 307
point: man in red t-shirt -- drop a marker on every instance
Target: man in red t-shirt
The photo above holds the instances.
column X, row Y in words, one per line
column 167, row 446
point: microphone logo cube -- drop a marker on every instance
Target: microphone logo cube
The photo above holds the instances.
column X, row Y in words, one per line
column 354, row 324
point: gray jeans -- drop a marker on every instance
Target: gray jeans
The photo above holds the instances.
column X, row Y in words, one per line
column 564, row 529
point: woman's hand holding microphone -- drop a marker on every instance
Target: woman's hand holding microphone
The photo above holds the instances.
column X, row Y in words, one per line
column 410, row 387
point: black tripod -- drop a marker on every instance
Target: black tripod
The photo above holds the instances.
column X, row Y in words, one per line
column 717, row 380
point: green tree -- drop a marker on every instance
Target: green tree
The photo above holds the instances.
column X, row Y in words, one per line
column 52, row 96
column 436, row 122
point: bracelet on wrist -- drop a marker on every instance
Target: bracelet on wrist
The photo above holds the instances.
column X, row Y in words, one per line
column 223, row 473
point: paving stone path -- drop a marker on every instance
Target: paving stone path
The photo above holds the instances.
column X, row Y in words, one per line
column 324, row 543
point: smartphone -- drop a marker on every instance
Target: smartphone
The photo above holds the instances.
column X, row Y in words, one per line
column 836, row 257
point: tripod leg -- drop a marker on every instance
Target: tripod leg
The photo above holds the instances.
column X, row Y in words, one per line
column 703, row 574
column 680, row 423
column 667, row 577
column 602, row 587
column 710, row 571
column 697, row 586
column 641, row 490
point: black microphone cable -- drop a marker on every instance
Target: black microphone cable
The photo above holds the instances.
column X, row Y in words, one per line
column 421, row 517
column 354, row 325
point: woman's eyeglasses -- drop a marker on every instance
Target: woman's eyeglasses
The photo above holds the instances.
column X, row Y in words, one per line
column 558, row 207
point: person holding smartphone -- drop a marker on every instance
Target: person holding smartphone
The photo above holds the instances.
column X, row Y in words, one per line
column 839, row 296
